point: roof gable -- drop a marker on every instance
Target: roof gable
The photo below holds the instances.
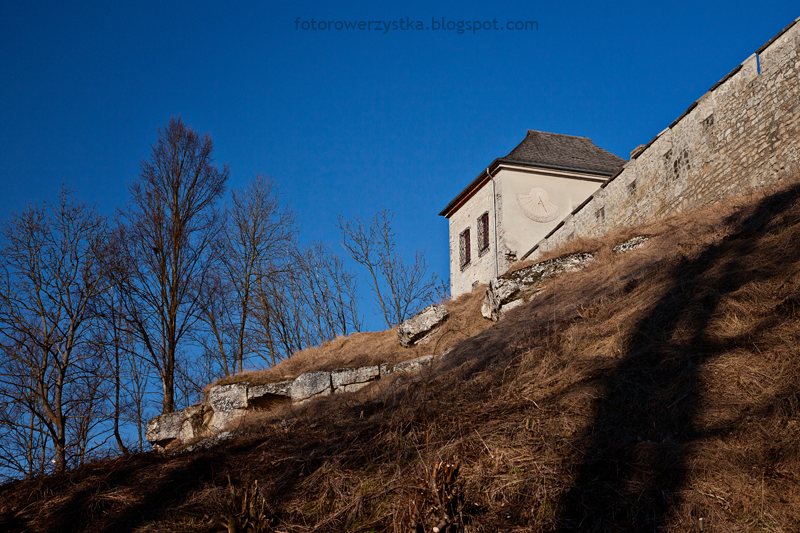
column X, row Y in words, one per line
column 547, row 150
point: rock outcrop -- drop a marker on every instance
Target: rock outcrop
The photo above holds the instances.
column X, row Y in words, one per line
column 226, row 405
column 182, row 425
column 353, row 379
column 507, row 291
column 512, row 286
column 420, row 326
column 631, row 244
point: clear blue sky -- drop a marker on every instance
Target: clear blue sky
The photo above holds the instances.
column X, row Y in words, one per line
column 346, row 121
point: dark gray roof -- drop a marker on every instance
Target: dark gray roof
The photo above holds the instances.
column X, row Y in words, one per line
column 551, row 150
column 565, row 151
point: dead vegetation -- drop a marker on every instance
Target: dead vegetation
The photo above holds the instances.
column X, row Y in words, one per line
column 364, row 349
column 644, row 393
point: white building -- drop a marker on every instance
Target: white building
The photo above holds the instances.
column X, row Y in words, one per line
column 519, row 199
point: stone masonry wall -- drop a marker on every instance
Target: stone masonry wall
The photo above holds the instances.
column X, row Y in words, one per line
column 743, row 134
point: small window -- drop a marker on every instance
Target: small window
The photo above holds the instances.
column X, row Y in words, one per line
column 463, row 241
column 483, row 233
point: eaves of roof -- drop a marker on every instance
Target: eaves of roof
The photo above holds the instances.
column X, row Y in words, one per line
column 484, row 177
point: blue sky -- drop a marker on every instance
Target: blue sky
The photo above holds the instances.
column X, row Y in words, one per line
column 346, row 121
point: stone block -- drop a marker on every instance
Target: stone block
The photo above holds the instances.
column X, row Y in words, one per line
column 210, row 442
column 510, row 305
column 229, row 403
column 268, row 395
column 228, row 397
column 165, row 428
column 421, row 325
column 311, row 384
column 513, row 286
column 344, row 379
column 415, row 365
column 353, row 387
column 631, row 244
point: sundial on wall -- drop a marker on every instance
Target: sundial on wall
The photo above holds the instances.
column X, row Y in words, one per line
column 537, row 206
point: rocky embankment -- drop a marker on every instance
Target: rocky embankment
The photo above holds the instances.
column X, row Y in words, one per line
column 225, row 406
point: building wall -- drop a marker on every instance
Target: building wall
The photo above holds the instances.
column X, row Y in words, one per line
column 481, row 268
column 564, row 190
column 516, row 232
column 741, row 135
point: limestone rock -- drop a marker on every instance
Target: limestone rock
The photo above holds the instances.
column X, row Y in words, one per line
column 210, row 442
column 267, row 395
column 511, row 305
column 178, row 425
column 352, row 379
column 631, row 244
column 229, row 403
column 514, row 285
column 210, row 422
column 311, row 384
column 412, row 366
column 421, row 325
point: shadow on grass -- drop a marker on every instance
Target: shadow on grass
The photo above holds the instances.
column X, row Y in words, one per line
column 635, row 462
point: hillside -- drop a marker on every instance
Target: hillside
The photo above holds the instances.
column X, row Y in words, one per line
column 650, row 390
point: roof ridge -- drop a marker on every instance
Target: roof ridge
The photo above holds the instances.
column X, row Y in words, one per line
column 559, row 134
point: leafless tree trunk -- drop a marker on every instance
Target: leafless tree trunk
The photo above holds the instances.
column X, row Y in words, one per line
column 113, row 343
column 400, row 289
column 23, row 441
column 166, row 241
column 254, row 240
column 309, row 300
column 51, row 275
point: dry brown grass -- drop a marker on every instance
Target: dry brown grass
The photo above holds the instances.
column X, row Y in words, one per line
column 650, row 390
column 371, row 348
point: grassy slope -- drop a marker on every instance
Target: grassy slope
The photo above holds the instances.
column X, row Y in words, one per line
column 643, row 393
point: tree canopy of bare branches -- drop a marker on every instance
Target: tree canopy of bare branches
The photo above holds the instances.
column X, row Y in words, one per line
column 310, row 299
column 51, row 275
column 165, row 247
column 253, row 243
column 401, row 289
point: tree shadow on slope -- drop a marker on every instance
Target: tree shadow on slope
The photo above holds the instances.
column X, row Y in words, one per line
column 142, row 491
column 645, row 421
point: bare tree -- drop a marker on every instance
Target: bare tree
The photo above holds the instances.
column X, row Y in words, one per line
column 24, row 448
column 310, row 300
column 401, row 289
column 165, row 250
column 329, row 291
column 253, row 242
column 51, row 275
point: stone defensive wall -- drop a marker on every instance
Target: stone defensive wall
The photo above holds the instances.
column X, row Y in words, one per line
column 744, row 133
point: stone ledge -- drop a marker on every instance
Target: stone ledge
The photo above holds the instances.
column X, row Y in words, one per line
column 228, row 404
column 420, row 326
column 352, row 379
column 513, row 286
column 507, row 291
